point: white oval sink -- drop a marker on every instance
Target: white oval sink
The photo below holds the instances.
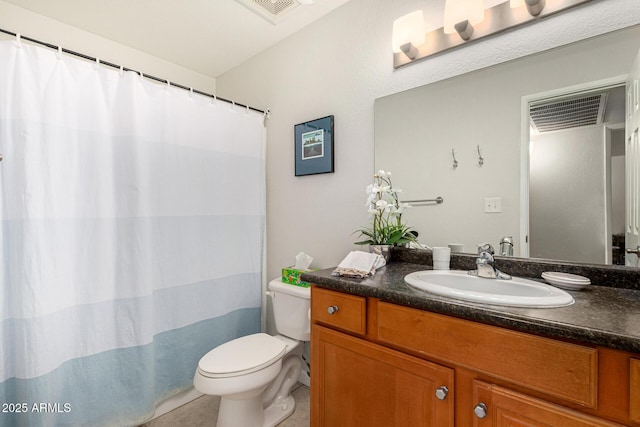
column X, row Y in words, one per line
column 516, row 292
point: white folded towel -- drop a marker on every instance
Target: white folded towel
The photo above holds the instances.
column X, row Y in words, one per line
column 359, row 264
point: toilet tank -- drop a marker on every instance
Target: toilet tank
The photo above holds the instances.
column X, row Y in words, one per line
column 291, row 309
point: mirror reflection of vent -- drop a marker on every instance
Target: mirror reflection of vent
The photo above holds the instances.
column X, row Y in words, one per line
column 568, row 113
column 271, row 10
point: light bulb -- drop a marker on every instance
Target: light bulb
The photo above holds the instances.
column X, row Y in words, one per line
column 408, row 29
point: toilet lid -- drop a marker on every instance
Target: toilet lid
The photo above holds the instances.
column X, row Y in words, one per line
column 242, row 355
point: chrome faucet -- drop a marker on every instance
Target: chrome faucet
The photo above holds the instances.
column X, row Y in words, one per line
column 485, row 264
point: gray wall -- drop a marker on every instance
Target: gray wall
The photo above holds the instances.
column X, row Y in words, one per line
column 567, row 197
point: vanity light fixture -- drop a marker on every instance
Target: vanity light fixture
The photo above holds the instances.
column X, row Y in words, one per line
column 535, row 7
column 461, row 15
column 408, row 34
column 470, row 21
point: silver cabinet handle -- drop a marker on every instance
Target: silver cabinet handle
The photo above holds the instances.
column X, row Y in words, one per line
column 333, row 309
column 441, row 392
column 480, row 410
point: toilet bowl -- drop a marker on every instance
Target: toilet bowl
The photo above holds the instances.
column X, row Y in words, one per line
column 254, row 374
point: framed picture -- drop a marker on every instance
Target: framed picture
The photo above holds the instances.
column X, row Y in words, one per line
column 314, row 146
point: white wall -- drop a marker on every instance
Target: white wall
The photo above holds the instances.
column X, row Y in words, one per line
column 339, row 66
column 39, row 27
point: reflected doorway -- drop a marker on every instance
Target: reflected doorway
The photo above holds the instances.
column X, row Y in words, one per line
column 576, row 173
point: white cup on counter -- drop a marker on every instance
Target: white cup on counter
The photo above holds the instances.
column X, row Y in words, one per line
column 441, row 257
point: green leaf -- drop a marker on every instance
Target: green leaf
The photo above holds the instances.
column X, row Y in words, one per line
column 364, row 242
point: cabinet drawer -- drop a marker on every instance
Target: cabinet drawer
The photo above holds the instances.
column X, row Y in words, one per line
column 504, row 407
column 559, row 369
column 634, row 390
column 341, row 311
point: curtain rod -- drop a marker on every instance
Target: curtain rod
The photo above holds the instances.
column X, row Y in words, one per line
column 119, row 67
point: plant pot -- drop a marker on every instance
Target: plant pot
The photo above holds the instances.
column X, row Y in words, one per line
column 383, row 250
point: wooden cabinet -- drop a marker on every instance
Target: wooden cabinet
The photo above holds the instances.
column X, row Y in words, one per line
column 563, row 370
column 339, row 311
column 379, row 364
column 634, row 389
column 499, row 406
column 358, row 383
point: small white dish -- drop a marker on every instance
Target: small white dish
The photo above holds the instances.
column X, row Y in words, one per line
column 565, row 280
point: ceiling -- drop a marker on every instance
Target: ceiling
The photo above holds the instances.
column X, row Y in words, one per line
column 207, row 36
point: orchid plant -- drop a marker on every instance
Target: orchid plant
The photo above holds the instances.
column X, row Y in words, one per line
column 386, row 210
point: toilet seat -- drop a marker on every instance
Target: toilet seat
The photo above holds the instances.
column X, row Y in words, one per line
column 242, row 356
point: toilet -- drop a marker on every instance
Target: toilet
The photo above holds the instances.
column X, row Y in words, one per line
column 254, row 374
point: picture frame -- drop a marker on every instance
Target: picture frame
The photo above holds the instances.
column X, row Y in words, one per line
column 314, row 144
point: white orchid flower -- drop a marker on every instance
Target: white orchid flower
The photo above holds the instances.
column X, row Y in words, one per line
column 383, row 206
column 385, row 189
column 398, row 210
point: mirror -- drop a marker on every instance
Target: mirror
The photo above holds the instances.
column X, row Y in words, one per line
column 478, row 119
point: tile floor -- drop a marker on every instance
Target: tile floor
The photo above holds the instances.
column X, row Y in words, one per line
column 202, row 412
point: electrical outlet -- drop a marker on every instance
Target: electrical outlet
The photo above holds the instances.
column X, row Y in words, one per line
column 492, row 204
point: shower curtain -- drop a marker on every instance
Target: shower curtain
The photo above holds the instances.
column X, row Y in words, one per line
column 133, row 217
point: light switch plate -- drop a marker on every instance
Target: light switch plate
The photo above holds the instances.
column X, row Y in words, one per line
column 492, row 204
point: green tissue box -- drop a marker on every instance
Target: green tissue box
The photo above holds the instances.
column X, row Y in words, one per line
column 292, row 275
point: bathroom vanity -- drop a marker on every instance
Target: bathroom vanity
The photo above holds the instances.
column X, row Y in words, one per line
column 384, row 354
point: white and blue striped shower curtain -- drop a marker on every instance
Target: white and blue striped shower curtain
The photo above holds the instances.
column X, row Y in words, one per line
column 131, row 237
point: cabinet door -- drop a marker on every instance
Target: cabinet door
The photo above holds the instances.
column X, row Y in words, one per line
column 506, row 408
column 356, row 383
column 634, row 390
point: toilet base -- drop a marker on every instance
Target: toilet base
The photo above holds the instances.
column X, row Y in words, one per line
column 249, row 412
column 242, row 412
column 275, row 414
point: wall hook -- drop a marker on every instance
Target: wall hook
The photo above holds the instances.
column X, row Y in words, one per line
column 455, row 162
column 480, row 158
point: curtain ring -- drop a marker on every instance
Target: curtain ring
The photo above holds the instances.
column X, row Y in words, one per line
column 18, row 41
column 59, row 53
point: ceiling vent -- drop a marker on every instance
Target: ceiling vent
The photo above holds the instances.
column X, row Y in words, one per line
column 566, row 113
column 271, row 10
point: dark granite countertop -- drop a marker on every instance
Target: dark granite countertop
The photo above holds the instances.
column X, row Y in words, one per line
column 601, row 315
